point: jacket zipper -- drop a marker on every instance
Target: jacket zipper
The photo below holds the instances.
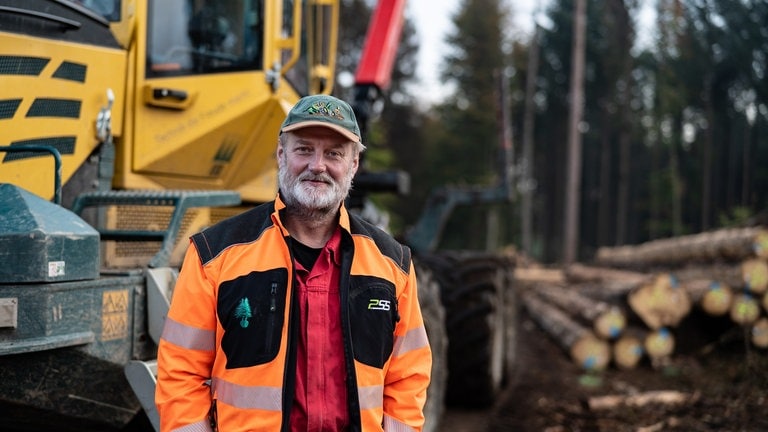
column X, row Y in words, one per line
column 272, row 310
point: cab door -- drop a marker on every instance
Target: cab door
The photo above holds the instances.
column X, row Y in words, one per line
column 206, row 109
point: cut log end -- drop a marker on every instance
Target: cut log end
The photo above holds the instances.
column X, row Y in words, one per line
column 662, row 303
column 659, row 344
column 627, row 352
column 610, row 324
column 591, row 353
column 760, row 333
column 755, row 274
column 760, row 245
column 745, row 309
column 717, row 299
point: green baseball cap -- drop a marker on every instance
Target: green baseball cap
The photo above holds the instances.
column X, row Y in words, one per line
column 326, row 111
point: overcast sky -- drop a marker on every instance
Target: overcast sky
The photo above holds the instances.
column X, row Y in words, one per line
column 433, row 20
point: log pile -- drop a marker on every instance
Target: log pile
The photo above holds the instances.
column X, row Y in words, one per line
column 628, row 303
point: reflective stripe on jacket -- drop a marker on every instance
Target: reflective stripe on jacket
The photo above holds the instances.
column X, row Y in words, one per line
column 226, row 339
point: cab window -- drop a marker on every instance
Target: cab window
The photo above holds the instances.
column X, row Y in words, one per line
column 191, row 37
column 109, row 9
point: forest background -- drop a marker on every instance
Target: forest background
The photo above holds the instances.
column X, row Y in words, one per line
column 673, row 135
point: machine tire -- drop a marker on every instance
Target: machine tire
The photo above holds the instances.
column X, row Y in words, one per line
column 481, row 326
column 434, row 320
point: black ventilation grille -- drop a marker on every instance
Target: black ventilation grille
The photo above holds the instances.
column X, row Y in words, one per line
column 19, row 65
column 65, row 145
column 8, row 108
column 54, row 108
column 71, row 71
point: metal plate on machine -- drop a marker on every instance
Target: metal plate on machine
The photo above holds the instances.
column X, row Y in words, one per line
column 9, row 312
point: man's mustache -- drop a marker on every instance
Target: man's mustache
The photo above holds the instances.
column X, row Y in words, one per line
column 325, row 178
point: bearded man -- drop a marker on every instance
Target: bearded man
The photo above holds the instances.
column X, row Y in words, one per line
column 297, row 315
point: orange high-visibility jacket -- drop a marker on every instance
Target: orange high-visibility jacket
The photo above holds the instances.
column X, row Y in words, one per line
column 226, row 358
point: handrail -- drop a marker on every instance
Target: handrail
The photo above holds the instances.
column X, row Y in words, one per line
column 56, row 158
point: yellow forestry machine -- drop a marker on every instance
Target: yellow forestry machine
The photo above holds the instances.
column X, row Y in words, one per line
column 126, row 126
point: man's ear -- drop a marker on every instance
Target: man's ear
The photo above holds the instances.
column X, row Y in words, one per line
column 279, row 154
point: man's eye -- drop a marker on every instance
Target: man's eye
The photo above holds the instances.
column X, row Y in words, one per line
column 335, row 154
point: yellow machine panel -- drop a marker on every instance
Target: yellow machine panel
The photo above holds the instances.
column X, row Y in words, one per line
column 200, row 89
column 52, row 92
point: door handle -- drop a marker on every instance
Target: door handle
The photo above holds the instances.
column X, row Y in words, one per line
column 162, row 93
column 164, row 97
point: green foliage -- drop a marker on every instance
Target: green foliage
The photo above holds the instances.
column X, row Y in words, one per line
column 467, row 150
column 668, row 123
column 736, row 217
column 674, row 130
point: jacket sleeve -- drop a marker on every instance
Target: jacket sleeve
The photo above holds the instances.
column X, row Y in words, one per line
column 187, row 349
column 408, row 375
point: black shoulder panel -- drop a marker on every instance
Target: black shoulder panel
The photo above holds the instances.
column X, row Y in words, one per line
column 243, row 228
column 388, row 246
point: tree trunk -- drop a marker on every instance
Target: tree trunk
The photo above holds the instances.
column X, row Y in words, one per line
column 526, row 164
column 573, row 182
column 729, row 244
column 706, row 172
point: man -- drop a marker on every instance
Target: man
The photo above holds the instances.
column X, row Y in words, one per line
column 297, row 315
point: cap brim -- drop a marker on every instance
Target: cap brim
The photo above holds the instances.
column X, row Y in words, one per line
column 342, row 131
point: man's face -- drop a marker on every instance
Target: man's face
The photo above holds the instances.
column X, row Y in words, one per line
column 316, row 167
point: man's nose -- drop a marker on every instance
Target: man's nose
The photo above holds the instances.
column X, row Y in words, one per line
column 317, row 163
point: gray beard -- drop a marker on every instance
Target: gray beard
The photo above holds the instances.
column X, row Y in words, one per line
column 305, row 205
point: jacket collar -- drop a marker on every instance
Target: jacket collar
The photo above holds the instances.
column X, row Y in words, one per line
column 280, row 205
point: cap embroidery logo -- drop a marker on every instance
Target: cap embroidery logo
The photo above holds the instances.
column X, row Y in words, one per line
column 325, row 109
column 243, row 312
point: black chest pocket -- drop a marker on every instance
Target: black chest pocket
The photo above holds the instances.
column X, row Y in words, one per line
column 373, row 315
column 251, row 310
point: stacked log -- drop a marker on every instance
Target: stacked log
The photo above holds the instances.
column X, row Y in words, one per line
column 628, row 303
column 586, row 349
column 629, row 349
column 607, row 321
column 714, row 297
column 660, row 303
column 729, row 244
column 759, row 335
column 722, row 272
column 659, row 346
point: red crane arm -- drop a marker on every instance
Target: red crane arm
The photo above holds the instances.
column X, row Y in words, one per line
column 381, row 44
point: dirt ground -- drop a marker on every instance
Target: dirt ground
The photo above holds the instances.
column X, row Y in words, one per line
column 722, row 378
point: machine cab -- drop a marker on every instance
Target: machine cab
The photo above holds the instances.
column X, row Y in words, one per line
column 213, row 80
column 200, row 87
